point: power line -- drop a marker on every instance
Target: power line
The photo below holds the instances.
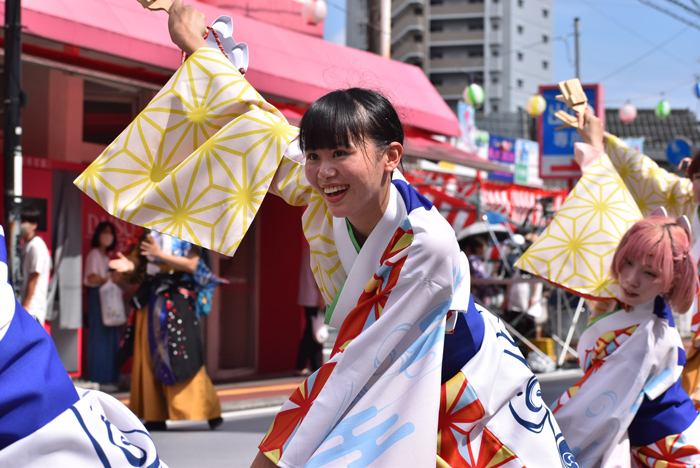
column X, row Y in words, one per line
column 632, row 31
column 643, row 56
column 669, row 13
column 648, row 96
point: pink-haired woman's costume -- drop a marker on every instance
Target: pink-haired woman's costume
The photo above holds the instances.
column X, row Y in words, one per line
column 629, row 408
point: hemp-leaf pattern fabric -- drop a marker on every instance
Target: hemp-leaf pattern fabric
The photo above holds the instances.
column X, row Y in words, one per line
column 577, row 247
column 198, row 161
column 651, row 186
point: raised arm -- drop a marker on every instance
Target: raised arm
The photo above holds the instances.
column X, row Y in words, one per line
column 198, row 161
column 650, row 185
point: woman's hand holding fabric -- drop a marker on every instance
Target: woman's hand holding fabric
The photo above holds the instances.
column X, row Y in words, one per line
column 187, row 26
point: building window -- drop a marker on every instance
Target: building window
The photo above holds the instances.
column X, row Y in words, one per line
column 418, row 10
column 520, row 83
column 545, row 64
column 520, row 56
column 494, row 107
column 436, row 27
column 436, row 81
column 494, row 79
column 545, row 13
column 418, row 38
column 520, row 29
column 494, row 26
column 545, row 38
column 495, row 53
column 520, row 3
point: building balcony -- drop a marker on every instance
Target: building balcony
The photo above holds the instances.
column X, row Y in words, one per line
column 454, row 11
column 494, row 91
column 495, row 37
column 456, row 63
column 450, row 91
column 494, row 10
column 398, row 6
column 407, row 49
column 405, row 24
column 496, row 63
column 456, row 37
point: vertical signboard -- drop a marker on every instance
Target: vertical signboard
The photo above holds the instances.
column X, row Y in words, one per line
column 557, row 146
column 502, row 150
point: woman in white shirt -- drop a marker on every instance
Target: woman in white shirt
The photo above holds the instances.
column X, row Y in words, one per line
column 103, row 342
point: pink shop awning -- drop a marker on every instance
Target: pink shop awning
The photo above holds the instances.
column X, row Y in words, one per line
column 283, row 63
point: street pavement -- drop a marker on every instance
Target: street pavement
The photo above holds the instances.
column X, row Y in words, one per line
column 234, row 444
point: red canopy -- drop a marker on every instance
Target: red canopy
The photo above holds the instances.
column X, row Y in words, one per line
column 283, row 63
column 449, row 194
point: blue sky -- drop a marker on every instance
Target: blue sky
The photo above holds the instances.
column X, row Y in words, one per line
column 613, row 34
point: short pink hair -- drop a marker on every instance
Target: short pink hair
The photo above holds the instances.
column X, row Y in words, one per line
column 664, row 246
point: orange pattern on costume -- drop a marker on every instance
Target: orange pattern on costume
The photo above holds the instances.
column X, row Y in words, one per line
column 371, row 304
column 369, row 307
column 606, row 344
column 460, row 412
column 666, row 453
column 287, row 421
column 695, row 328
column 459, row 407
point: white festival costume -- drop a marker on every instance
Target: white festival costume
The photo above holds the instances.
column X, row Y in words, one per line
column 629, row 402
column 44, row 420
column 197, row 163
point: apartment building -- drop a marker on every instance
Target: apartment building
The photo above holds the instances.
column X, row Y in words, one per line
column 503, row 45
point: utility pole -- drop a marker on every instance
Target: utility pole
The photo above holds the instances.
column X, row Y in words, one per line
column 14, row 98
column 577, row 40
column 379, row 27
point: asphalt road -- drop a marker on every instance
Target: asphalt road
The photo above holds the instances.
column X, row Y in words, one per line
column 234, row 444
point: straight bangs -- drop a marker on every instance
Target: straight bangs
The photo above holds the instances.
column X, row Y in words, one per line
column 649, row 244
column 332, row 121
column 664, row 246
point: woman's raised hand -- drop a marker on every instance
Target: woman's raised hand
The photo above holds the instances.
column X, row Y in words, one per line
column 121, row 264
column 591, row 129
column 187, row 26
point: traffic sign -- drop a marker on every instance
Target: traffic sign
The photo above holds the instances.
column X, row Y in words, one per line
column 677, row 150
column 557, row 146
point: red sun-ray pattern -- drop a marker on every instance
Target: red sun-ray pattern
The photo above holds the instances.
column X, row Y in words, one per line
column 606, row 344
column 371, row 304
column 460, row 413
column 666, row 453
column 287, row 421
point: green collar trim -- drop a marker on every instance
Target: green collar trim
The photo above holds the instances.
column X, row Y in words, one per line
column 591, row 322
column 331, row 308
column 352, row 236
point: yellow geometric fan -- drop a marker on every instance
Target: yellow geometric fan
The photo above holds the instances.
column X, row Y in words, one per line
column 577, row 248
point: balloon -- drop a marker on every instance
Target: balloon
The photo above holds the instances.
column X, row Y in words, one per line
column 628, row 113
column 474, row 95
column 663, row 109
column 696, row 88
column 314, row 11
column 535, row 106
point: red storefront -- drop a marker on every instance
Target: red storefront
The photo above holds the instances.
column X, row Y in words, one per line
column 90, row 67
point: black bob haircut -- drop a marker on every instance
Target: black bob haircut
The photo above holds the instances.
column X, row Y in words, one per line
column 30, row 214
column 350, row 115
column 98, row 230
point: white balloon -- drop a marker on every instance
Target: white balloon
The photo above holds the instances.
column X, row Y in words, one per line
column 314, row 11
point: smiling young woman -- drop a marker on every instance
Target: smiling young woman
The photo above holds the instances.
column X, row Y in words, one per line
column 418, row 375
